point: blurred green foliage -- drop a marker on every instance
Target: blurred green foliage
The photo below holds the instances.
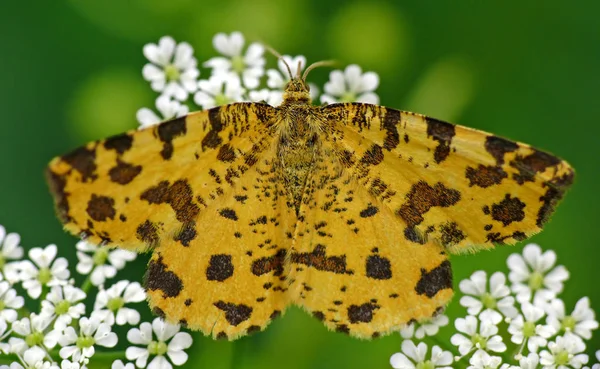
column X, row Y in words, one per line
column 70, row 71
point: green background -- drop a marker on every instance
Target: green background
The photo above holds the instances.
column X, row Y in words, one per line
column 70, row 71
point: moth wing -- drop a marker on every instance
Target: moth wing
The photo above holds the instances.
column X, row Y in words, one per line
column 145, row 187
column 463, row 188
column 230, row 280
column 351, row 266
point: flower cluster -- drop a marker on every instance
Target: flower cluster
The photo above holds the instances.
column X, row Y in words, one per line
column 237, row 74
column 543, row 333
column 64, row 333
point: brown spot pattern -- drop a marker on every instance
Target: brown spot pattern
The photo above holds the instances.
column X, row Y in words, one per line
column 435, row 280
column 361, row 313
column 443, row 133
column 268, row 264
column 101, row 208
column 485, row 175
column 234, row 314
column 219, row 268
column 167, row 132
column 508, row 210
column 319, row 260
column 123, row 173
column 159, row 278
column 423, row 197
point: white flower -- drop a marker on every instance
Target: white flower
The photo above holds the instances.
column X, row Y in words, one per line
column 413, row 357
column 485, row 338
column 64, row 302
column 525, row 328
column 33, row 358
column 530, row 361
column 118, row 364
column 168, row 109
column 272, row 98
column 96, row 263
column 351, row 85
column 278, row 79
column 219, row 90
column 597, row 366
column 91, row 332
column 482, row 360
column 9, row 250
column 250, row 67
column 581, row 322
column 173, row 70
column 66, row 364
column 428, row 327
column 533, row 275
column 159, row 347
column 45, row 272
column 497, row 299
column 110, row 303
column 9, row 302
column 4, row 347
column 565, row 352
column 32, row 329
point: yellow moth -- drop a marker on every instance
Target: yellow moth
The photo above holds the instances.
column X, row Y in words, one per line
column 348, row 210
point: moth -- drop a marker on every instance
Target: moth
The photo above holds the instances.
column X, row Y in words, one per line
column 348, row 210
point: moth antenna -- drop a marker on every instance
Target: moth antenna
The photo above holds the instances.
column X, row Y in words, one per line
column 299, row 69
column 322, row 63
column 279, row 57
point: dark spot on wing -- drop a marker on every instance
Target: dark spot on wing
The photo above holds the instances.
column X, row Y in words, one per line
column 101, row 208
column 83, row 160
column 451, row 234
column 57, row 185
column 361, row 313
column 120, row 143
column 378, row 267
column 219, row 268
column 167, row 132
column 226, row 153
column 147, row 232
column 423, row 197
column 234, row 314
column 319, row 260
column 271, row 263
column 443, row 133
column 498, row 147
column 508, row 210
column 555, row 192
column 369, row 211
column 228, row 213
column 186, row 235
column 532, row 164
column 212, row 139
column 390, row 121
column 159, row 278
column 485, row 176
column 123, row 173
column 435, row 280
column 373, row 156
column 188, row 302
column 319, row 315
column 158, row 312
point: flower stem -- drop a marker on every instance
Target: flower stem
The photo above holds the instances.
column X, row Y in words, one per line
column 87, row 284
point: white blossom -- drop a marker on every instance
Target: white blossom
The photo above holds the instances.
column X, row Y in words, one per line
column 482, row 336
column 9, row 250
column 118, row 364
column 33, row 358
column 582, row 321
column 533, row 274
column 413, row 357
column 167, row 108
column 428, row 327
column 4, row 347
column 32, row 333
column 478, row 297
column 159, row 347
column 483, row 360
column 45, row 272
column 564, row 352
column 110, row 303
column 96, row 263
column 81, row 346
column 9, row 302
column 272, row 98
column 173, row 69
column 597, row 365
column 249, row 67
column 525, row 328
column 351, row 85
column 64, row 303
column 219, row 90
